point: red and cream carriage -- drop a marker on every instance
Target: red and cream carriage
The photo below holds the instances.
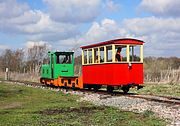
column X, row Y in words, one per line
column 99, row 66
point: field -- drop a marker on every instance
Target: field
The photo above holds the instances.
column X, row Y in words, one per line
column 20, row 105
column 159, row 89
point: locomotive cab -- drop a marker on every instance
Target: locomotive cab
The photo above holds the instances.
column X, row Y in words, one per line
column 64, row 65
column 59, row 64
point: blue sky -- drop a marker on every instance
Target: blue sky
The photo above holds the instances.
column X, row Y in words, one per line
column 67, row 24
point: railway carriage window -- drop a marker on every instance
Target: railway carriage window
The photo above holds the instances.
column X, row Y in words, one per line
column 95, row 55
column 122, row 52
column 109, row 53
column 101, row 54
column 90, row 55
column 85, row 56
column 135, row 53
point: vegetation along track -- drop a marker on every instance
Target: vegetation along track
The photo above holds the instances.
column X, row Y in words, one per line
column 104, row 94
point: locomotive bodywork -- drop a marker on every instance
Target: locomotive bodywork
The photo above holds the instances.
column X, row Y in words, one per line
column 59, row 71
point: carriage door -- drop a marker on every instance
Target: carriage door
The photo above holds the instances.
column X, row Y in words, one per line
column 136, row 64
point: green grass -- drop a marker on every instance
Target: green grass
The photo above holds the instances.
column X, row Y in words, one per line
column 159, row 89
column 20, row 105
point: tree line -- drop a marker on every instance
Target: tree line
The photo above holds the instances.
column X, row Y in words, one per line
column 156, row 69
column 161, row 69
column 23, row 61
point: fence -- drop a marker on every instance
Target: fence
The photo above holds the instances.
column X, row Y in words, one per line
column 163, row 76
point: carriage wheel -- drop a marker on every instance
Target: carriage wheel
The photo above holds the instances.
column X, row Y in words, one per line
column 110, row 89
column 125, row 89
column 96, row 87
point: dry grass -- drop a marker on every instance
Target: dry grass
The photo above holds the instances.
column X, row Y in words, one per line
column 34, row 77
column 159, row 89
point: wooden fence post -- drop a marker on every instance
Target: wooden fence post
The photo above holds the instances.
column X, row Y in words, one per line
column 7, row 74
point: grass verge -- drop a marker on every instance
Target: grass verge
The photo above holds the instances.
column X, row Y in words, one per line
column 159, row 89
column 20, row 105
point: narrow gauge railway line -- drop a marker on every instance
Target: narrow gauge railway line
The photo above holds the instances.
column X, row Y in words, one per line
column 156, row 98
column 104, row 94
column 168, row 97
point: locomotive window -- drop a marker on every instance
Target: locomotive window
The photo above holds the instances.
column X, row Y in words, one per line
column 64, row 59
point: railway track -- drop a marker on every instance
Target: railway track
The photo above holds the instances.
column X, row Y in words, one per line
column 104, row 95
column 160, row 99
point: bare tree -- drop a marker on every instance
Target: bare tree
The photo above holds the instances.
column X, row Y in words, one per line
column 12, row 60
column 35, row 57
column 162, row 69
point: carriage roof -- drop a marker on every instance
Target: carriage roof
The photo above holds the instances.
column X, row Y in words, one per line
column 124, row 41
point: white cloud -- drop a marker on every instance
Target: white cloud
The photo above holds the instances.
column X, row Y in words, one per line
column 150, row 25
column 4, row 47
column 111, row 5
column 63, row 23
column 161, row 35
column 10, row 8
column 31, row 44
column 73, row 11
column 35, row 24
column 107, row 29
column 161, row 7
column 28, row 17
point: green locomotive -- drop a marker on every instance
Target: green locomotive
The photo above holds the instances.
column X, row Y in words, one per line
column 60, row 70
column 60, row 64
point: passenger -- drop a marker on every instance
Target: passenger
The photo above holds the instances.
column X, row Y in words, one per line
column 96, row 60
column 118, row 54
column 101, row 60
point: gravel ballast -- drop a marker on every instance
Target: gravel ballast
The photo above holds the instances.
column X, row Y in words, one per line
column 166, row 111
